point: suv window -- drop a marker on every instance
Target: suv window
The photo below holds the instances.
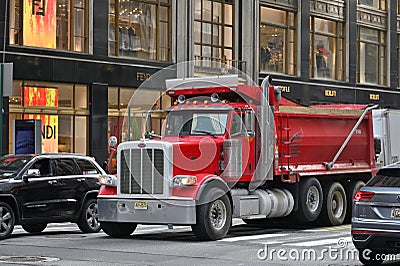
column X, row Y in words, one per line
column 43, row 165
column 11, row 165
column 386, row 178
column 64, row 167
column 87, row 168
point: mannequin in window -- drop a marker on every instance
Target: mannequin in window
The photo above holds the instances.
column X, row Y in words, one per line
column 265, row 56
column 321, row 64
column 132, row 41
column 124, row 40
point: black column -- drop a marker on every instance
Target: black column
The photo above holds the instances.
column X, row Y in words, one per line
column 352, row 36
column 6, row 117
column 98, row 121
column 394, row 61
column 305, row 41
column 100, row 27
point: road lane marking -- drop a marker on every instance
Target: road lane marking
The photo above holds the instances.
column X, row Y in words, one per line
column 320, row 242
column 253, row 237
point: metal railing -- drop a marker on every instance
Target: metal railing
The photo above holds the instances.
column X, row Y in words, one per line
column 218, row 66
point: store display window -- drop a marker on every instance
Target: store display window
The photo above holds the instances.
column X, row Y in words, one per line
column 54, row 24
column 140, row 29
column 328, row 54
column 62, row 110
column 277, row 41
column 371, row 56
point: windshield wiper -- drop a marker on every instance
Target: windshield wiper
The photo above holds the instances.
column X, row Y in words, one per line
column 205, row 132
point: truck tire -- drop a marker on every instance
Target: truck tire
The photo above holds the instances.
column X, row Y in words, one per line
column 351, row 190
column 89, row 218
column 7, row 220
column 34, row 228
column 118, row 229
column 310, row 200
column 335, row 204
column 214, row 217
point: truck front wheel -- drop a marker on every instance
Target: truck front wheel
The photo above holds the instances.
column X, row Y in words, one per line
column 214, row 217
column 118, row 229
column 310, row 200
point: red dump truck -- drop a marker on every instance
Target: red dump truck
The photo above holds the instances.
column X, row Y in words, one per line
column 238, row 151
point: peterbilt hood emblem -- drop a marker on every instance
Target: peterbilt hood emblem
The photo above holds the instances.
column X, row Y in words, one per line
column 141, row 145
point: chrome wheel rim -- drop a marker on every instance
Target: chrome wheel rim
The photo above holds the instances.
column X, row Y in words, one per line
column 6, row 220
column 312, row 198
column 218, row 214
column 92, row 216
column 337, row 205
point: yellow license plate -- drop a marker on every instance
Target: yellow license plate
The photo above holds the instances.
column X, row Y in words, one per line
column 395, row 213
column 141, row 205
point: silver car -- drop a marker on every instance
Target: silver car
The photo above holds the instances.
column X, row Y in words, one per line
column 376, row 217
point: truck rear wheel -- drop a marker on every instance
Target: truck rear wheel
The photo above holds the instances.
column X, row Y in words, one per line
column 351, row 190
column 214, row 217
column 335, row 204
column 118, row 229
column 310, row 200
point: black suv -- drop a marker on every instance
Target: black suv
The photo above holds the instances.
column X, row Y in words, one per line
column 40, row 189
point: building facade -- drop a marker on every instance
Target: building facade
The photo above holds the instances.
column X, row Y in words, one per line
column 77, row 63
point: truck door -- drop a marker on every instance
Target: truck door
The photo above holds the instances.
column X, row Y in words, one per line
column 243, row 133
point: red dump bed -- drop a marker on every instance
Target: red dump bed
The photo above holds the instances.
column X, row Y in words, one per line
column 310, row 137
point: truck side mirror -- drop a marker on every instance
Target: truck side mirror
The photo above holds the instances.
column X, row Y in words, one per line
column 377, row 146
column 148, row 122
column 249, row 121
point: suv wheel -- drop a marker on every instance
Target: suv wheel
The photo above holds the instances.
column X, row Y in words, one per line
column 34, row 228
column 89, row 218
column 7, row 220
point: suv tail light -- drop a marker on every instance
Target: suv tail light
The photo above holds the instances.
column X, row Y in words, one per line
column 363, row 196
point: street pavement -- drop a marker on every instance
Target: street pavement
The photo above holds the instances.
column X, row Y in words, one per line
column 64, row 244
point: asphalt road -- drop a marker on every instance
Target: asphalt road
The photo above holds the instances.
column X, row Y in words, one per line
column 63, row 244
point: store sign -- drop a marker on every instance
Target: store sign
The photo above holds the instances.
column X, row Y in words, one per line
column 374, row 97
column 45, row 97
column 39, row 27
column 330, row 93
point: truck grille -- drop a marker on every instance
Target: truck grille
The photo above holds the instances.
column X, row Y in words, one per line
column 142, row 171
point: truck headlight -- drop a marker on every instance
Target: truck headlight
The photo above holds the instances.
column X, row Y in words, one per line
column 108, row 180
column 184, row 180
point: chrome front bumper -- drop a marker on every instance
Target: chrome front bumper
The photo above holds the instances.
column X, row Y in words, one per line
column 147, row 211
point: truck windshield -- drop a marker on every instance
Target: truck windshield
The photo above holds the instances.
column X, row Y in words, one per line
column 180, row 123
column 11, row 165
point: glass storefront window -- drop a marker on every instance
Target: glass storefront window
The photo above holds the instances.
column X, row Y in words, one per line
column 328, row 57
column 140, row 29
column 62, row 108
column 55, row 24
column 371, row 56
column 213, row 31
column 380, row 4
column 143, row 100
column 277, row 41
